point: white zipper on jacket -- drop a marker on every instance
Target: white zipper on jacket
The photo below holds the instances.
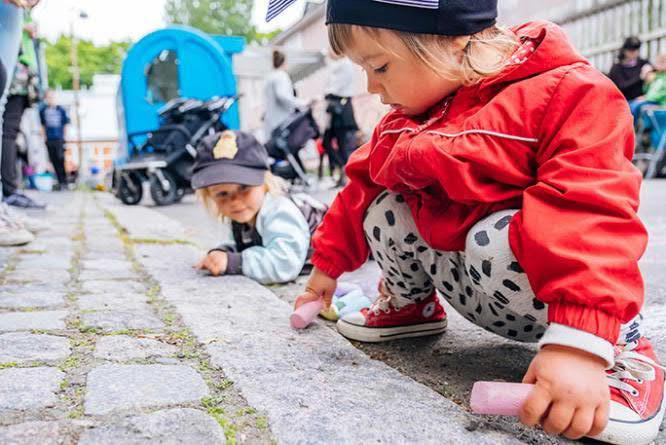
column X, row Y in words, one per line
column 486, row 132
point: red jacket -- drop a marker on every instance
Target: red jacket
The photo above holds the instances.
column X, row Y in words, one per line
column 552, row 137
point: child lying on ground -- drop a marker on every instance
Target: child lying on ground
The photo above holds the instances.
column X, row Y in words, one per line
column 269, row 237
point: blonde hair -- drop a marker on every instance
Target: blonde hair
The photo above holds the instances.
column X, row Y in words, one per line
column 271, row 185
column 485, row 54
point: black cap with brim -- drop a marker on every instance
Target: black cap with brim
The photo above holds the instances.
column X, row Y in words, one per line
column 450, row 18
column 220, row 173
column 229, row 157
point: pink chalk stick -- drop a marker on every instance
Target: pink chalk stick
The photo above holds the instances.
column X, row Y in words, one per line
column 304, row 315
column 499, row 398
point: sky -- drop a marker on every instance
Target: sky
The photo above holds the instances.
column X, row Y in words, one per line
column 121, row 19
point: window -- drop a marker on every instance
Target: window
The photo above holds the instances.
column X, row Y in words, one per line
column 162, row 76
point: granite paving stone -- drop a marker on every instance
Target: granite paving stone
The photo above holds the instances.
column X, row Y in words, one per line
column 29, row 388
column 38, row 433
column 86, row 275
column 24, row 321
column 39, row 276
column 123, row 348
column 21, row 347
column 47, row 262
column 123, row 301
column 110, row 286
column 175, row 426
column 27, row 298
column 107, row 265
column 124, row 387
column 282, row 372
column 113, row 320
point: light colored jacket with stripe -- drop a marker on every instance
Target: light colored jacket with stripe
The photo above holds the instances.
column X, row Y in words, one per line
column 285, row 239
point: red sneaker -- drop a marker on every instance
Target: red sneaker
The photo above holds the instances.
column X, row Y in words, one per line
column 390, row 318
column 637, row 396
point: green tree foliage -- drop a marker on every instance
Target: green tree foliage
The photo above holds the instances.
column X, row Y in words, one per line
column 106, row 59
column 221, row 17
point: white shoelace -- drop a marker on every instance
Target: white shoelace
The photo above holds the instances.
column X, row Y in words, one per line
column 630, row 365
column 382, row 303
column 386, row 301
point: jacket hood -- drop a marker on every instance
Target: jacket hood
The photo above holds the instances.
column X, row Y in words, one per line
column 553, row 50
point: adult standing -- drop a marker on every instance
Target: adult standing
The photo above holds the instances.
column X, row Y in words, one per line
column 54, row 121
column 342, row 125
column 12, row 230
column 630, row 70
column 23, row 93
column 279, row 97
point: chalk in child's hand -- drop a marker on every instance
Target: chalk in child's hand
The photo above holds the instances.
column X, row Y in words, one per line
column 499, row 398
column 305, row 314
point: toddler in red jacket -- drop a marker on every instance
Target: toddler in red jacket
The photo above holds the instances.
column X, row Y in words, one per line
column 501, row 180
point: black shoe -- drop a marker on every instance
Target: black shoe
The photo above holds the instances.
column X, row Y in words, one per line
column 22, row 201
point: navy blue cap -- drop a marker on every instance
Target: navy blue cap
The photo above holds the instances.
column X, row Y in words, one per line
column 229, row 157
column 448, row 17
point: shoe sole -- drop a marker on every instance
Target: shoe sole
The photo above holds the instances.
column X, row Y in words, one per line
column 620, row 432
column 376, row 335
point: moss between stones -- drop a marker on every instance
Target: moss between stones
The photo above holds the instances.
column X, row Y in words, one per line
column 246, row 420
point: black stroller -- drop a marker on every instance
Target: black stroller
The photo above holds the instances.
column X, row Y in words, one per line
column 286, row 143
column 164, row 157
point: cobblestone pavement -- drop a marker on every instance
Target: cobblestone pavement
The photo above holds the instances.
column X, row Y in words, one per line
column 90, row 352
column 107, row 335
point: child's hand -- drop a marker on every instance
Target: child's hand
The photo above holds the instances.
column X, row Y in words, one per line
column 571, row 394
column 215, row 262
column 319, row 286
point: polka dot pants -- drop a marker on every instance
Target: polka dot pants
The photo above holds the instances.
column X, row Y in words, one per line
column 484, row 283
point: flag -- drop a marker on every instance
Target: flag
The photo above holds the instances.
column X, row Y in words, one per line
column 275, row 8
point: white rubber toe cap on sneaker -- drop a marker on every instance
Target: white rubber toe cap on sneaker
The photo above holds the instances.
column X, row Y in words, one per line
column 623, row 413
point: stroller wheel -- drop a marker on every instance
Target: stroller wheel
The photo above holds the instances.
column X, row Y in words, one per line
column 130, row 188
column 163, row 188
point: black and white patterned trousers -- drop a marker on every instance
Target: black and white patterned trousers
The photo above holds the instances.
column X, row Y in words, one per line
column 484, row 283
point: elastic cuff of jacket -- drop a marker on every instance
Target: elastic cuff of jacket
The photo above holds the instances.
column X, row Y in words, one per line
column 561, row 335
column 585, row 318
column 234, row 263
column 326, row 266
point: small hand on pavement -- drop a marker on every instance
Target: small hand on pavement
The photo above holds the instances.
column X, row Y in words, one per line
column 215, row 262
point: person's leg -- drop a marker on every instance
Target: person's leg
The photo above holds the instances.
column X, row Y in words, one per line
column 11, row 19
column 11, row 126
column 408, row 305
column 330, row 151
column 52, row 148
column 59, row 163
column 636, row 107
column 495, row 272
column 12, row 231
